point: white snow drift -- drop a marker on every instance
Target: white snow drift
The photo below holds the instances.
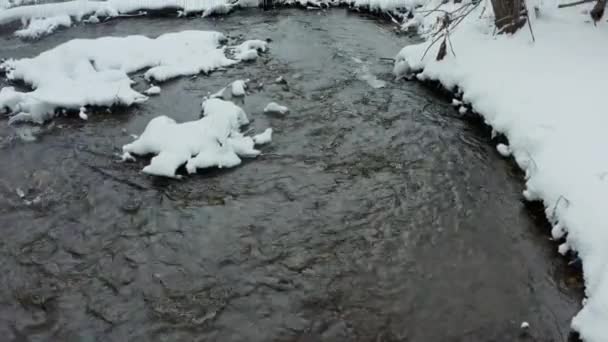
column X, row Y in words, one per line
column 548, row 98
column 94, row 72
column 213, row 141
column 38, row 27
column 91, row 11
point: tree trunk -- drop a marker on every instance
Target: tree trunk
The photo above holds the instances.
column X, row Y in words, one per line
column 508, row 15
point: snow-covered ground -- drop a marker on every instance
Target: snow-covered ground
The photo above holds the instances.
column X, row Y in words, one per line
column 33, row 14
column 94, row 72
column 547, row 97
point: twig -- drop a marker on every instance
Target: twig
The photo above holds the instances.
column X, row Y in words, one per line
column 576, row 3
column 553, row 213
column 433, row 10
column 450, row 43
column 429, row 47
column 530, row 27
column 483, row 10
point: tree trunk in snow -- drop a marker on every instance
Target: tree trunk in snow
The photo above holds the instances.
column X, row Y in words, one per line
column 509, row 15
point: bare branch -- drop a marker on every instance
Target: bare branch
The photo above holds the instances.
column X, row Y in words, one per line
column 576, row 3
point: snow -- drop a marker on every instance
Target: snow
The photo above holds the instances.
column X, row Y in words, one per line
column 504, row 150
column 95, row 71
column 39, row 27
column 248, row 50
column 213, row 141
column 563, row 248
column 126, row 156
column 153, row 90
column 238, row 88
column 547, row 97
column 78, row 9
column 83, row 113
column 275, row 108
column 92, row 11
column 263, row 138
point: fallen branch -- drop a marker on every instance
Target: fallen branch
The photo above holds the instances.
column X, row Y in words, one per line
column 576, row 3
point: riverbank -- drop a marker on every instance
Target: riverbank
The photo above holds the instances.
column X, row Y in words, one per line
column 545, row 92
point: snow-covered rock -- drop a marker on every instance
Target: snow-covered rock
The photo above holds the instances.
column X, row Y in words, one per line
column 83, row 113
column 264, row 137
column 275, row 108
column 212, row 141
column 39, row 27
column 248, row 50
column 504, row 150
column 94, row 72
column 238, row 88
column 153, row 90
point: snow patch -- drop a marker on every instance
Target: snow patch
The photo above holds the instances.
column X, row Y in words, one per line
column 248, row 50
column 83, row 113
column 94, row 72
column 504, row 150
column 39, row 27
column 213, row 141
column 153, row 90
column 275, row 108
column 263, row 138
column 238, row 88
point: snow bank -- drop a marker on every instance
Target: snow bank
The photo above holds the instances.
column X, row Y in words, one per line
column 95, row 72
column 213, row 141
column 76, row 9
column 79, row 9
column 40, row 27
column 547, row 97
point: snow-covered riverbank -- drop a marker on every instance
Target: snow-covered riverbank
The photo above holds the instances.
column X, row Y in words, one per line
column 547, row 97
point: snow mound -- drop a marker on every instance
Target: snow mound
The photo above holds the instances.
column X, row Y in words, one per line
column 39, row 27
column 248, row 50
column 238, row 88
column 275, row 108
column 504, row 150
column 264, row 137
column 213, row 141
column 555, row 121
column 94, row 72
column 153, row 90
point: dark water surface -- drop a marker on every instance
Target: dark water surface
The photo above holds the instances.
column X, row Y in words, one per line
column 374, row 215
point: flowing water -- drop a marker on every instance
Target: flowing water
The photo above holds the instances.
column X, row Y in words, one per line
column 376, row 213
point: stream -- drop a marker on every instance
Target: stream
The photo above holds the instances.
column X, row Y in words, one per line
column 377, row 213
